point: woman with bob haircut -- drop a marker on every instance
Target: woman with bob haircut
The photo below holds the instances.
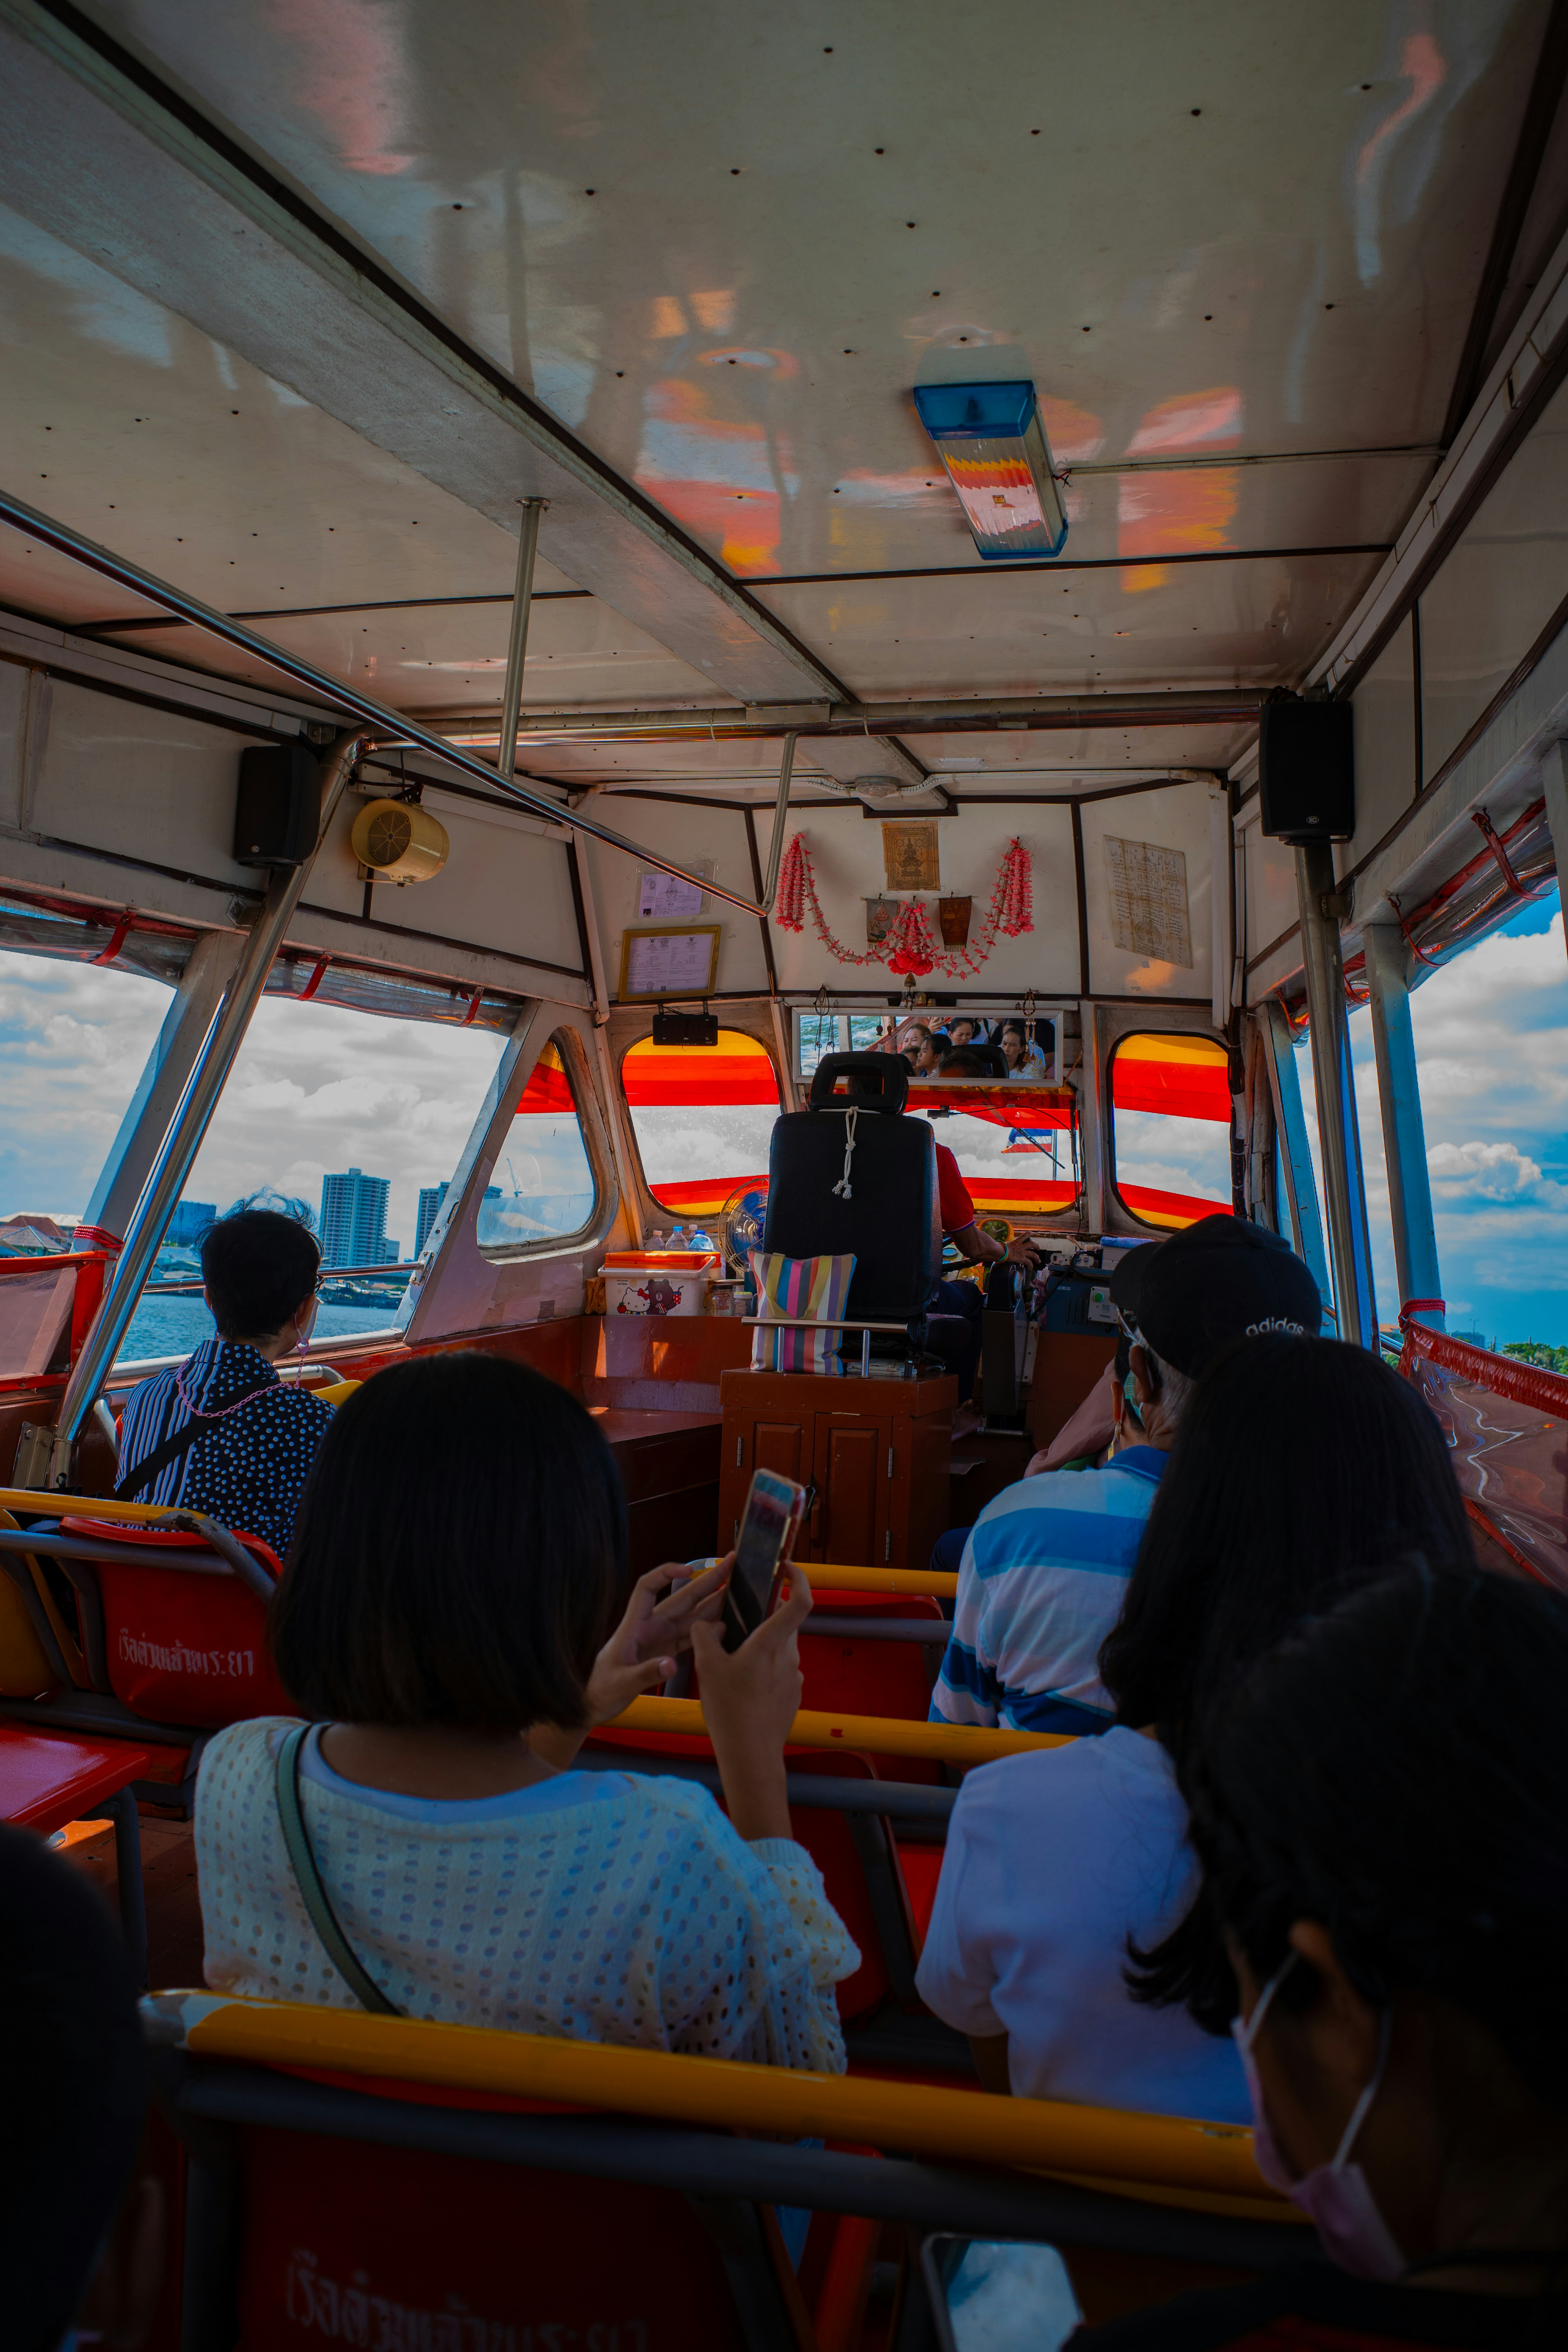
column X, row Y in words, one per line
column 1381, row 1812
column 1300, row 1466
column 447, row 1621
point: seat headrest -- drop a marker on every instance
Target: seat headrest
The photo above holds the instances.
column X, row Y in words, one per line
column 875, row 1082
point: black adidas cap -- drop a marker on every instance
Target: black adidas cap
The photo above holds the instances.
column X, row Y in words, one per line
column 1221, row 1279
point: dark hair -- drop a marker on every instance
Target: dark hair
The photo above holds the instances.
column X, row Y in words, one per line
column 459, row 1554
column 76, row 2082
column 1300, row 1466
column 964, row 1061
column 1395, row 1769
column 259, row 1267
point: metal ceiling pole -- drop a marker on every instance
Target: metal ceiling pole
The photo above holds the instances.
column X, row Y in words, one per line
column 781, row 818
column 1404, row 1134
column 517, row 636
column 1554, row 791
column 198, row 1100
column 1339, row 1136
column 394, row 726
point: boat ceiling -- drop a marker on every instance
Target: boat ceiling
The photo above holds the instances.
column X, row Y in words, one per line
column 1237, row 249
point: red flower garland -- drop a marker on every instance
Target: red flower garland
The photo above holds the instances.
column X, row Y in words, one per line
column 908, row 945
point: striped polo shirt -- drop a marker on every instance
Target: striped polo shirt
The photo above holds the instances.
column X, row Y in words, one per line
column 1044, row 1575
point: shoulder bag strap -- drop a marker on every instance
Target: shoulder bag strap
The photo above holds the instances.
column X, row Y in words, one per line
column 308, row 1878
column 158, row 1461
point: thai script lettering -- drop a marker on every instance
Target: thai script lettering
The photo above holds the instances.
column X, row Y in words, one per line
column 175, row 1658
column 353, row 2314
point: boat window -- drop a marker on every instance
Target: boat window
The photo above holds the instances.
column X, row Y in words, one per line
column 703, row 1117
column 542, row 1188
column 1170, row 1129
column 1016, row 1163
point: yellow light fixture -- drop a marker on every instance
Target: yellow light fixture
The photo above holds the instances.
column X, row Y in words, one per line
column 399, row 841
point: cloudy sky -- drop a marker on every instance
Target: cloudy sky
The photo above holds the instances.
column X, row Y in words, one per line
column 318, row 1089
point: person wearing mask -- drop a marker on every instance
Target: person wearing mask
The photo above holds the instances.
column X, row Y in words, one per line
column 1380, row 1811
column 221, row 1432
column 447, row 1621
column 1043, row 1572
column 961, row 1226
column 85, row 2233
column 1302, row 1466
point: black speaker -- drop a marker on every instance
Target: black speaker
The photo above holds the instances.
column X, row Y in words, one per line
column 686, row 1028
column 1306, row 771
column 278, row 809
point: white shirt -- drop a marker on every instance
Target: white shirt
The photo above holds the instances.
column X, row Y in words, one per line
column 1053, row 1858
column 605, row 1907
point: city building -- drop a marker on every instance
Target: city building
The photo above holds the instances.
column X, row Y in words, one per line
column 430, row 1198
column 189, row 1223
column 354, row 1219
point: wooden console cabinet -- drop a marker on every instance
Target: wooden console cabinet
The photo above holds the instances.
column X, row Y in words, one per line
column 876, row 1452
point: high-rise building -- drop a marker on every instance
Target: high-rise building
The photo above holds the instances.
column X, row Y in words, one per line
column 430, row 1198
column 189, row 1223
column 354, row 1219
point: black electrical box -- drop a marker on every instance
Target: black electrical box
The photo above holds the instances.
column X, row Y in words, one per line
column 278, row 811
column 1306, row 771
column 686, row 1028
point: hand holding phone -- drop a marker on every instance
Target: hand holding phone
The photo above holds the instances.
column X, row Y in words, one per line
column 775, row 1508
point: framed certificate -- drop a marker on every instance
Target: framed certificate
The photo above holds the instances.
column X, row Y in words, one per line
column 670, row 960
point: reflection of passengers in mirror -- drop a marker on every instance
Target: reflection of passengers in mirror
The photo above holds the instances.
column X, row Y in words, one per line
column 447, row 1621
column 221, row 1432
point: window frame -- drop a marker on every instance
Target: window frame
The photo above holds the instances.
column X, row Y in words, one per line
column 1112, row 1186
column 578, row 1072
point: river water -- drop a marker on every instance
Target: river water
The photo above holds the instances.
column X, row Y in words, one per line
column 172, row 1327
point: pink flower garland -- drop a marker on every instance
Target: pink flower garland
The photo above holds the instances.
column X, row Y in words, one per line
column 908, row 945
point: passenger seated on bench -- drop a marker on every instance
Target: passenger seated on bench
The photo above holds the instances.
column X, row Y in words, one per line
column 1302, row 1467
column 1044, row 1570
column 1381, row 1812
column 81, row 2241
column 221, row 1432
column 447, row 1621
column 960, row 1350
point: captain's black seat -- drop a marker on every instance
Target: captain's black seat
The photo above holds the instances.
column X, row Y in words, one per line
column 852, row 1174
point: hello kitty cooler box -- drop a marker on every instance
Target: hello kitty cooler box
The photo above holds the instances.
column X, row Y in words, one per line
column 658, row 1282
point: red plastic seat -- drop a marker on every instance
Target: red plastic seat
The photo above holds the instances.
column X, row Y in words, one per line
column 182, row 1645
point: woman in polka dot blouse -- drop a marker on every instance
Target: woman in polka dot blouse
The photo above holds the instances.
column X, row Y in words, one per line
column 445, row 1623
column 221, row 1432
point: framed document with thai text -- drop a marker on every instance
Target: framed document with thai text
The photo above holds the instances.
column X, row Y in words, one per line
column 670, row 960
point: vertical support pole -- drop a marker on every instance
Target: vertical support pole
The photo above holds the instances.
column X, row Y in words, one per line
column 1404, row 1135
column 1221, row 923
column 1296, row 1159
column 1339, row 1136
column 213, row 961
column 621, row 1143
column 781, row 818
column 1094, row 1198
column 517, row 636
column 1555, row 790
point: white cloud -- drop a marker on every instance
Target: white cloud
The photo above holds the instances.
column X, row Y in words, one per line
column 1484, row 1171
column 315, row 1088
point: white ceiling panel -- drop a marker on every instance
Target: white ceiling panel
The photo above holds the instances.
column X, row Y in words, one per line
column 731, row 303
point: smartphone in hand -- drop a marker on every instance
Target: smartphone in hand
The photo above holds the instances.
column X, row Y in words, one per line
column 775, row 1508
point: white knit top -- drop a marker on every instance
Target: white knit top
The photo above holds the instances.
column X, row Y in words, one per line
column 605, row 1907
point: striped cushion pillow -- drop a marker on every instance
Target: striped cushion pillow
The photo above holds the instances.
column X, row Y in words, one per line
column 807, row 1286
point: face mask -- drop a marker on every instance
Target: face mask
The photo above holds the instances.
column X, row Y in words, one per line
column 1336, row 2197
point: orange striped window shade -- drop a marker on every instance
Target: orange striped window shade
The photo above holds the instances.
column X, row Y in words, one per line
column 729, row 1094
column 1171, row 1114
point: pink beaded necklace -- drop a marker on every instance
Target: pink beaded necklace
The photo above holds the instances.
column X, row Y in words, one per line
column 196, row 1411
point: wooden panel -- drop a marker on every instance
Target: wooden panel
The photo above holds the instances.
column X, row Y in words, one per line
column 782, row 1447
column 921, row 1488
column 1066, row 1366
column 668, row 1361
column 850, row 1465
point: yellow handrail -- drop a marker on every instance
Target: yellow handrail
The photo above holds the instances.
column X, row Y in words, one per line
column 933, row 1581
column 84, row 1506
column 1097, row 2144
column 937, row 1743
